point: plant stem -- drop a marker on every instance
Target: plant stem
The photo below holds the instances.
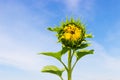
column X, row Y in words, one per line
column 64, row 65
column 72, row 54
column 61, row 78
column 69, row 72
column 74, row 64
column 75, row 61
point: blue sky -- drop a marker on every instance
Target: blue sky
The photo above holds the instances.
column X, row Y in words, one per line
column 23, row 34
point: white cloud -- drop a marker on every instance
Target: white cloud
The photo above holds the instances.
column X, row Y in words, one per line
column 99, row 66
column 82, row 5
column 112, row 39
column 20, row 40
column 110, row 62
column 15, row 54
column 80, row 8
column 113, row 33
column 22, row 54
column 72, row 4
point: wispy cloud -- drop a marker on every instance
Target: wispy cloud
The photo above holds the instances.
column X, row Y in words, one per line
column 80, row 7
column 18, row 53
column 112, row 39
column 79, row 4
column 113, row 32
column 72, row 4
column 98, row 66
column 19, row 38
column 110, row 62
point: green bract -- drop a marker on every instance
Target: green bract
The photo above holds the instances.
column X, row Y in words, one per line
column 72, row 34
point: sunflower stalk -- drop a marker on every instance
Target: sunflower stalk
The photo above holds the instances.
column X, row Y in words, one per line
column 69, row 66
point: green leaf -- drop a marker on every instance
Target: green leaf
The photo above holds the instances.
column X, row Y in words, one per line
column 88, row 36
column 56, row 55
column 53, row 69
column 82, row 53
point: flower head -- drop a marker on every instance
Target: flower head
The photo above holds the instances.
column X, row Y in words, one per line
column 70, row 33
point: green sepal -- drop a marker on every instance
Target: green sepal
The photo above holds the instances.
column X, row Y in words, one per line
column 72, row 20
column 88, row 36
column 81, row 53
column 83, row 45
column 67, row 21
column 64, row 50
column 78, row 22
column 56, row 55
column 55, row 29
column 53, row 70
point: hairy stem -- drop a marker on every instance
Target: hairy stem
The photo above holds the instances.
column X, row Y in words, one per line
column 72, row 54
column 61, row 78
column 64, row 65
column 69, row 72
column 74, row 65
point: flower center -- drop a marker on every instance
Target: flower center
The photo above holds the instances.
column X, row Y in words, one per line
column 71, row 32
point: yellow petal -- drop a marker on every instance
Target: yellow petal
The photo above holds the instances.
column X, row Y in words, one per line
column 67, row 36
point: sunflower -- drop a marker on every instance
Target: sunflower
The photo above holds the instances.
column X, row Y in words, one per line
column 71, row 33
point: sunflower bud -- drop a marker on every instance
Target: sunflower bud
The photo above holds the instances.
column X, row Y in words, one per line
column 71, row 33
